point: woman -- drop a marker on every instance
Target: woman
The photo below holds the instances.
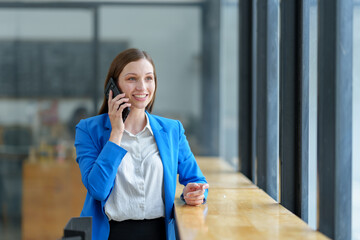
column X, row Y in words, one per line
column 130, row 168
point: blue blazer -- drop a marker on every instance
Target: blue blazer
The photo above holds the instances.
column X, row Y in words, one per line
column 99, row 160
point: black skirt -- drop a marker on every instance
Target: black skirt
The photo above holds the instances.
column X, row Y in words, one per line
column 138, row 229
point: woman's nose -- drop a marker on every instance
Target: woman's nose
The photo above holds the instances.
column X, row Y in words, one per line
column 140, row 84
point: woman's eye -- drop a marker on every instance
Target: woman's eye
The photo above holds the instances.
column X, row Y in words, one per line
column 132, row 78
column 149, row 78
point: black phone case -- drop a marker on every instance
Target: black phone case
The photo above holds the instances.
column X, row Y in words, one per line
column 112, row 86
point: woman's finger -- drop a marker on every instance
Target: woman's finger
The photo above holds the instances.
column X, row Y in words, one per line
column 192, row 186
column 194, row 203
column 111, row 93
column 117, row 97
column 116, row 105
column 195, row 198
column 122, row 107
column 109, row 99
column 204, row 185
column 195, row 193
column 112, row 100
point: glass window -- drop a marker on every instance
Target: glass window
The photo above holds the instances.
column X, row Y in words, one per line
column 43, row 52
column 48, row 83
column 229, row 65
column 356, row 124
column 312, row 198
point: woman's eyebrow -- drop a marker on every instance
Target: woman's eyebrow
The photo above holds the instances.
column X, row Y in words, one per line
column 130, row 74
column 136, row 74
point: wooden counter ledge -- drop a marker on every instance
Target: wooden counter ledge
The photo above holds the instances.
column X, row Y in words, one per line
column 242, row 212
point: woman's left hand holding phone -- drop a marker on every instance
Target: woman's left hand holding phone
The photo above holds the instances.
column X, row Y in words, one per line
column 116, row 106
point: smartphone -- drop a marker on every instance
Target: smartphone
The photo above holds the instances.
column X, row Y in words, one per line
column 111, row 85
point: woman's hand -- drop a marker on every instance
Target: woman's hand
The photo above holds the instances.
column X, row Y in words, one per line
column 194, row 193
column 116, row 106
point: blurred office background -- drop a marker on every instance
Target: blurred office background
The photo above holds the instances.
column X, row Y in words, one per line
column 54, row 56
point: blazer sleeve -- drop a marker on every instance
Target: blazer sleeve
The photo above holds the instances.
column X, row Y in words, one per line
column 98, row 165
column 188, row 170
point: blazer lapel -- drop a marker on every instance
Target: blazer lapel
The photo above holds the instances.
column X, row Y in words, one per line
column 162, row 141
column 161, row 138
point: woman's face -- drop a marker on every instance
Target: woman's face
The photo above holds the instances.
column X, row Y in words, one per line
column 137, row 81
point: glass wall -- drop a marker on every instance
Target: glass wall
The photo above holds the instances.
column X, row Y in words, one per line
column 229, row 81
column 356, row 125
column 313, row 89
column 49, row 80
column 39, row 102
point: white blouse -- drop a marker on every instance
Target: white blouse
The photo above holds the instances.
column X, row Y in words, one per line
column 138, row 190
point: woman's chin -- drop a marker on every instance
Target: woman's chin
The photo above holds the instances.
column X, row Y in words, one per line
column 138, row 107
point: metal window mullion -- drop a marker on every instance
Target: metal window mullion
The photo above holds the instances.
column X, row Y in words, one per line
column 335, row 117
column 289, row 99
column 267, row 97
column 326, row 115
column 253, row 91
column 261, row 93
column 245, row 95
column 343, row 133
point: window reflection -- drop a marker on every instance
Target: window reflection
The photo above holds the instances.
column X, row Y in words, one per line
column 356, row 124
column 39, row 102
column 229, row 82
column 312, row 198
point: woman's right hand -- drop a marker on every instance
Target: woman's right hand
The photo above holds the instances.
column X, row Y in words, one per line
column 116, row 106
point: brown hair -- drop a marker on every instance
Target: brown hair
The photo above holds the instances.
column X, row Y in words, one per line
column 117, row 66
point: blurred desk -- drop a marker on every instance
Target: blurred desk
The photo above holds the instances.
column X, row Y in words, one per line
column 52, row 194
column 213, row 165
column 220, row 174
column 245, row 212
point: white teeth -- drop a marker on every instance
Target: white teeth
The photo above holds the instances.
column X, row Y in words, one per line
column 140, row 96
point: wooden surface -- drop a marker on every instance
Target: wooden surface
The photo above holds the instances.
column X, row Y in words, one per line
column 242, row 212
column 220, row 174
column 235, row 208
column 52, row 194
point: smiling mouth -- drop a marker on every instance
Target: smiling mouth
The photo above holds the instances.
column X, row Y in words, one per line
column 140, row 95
